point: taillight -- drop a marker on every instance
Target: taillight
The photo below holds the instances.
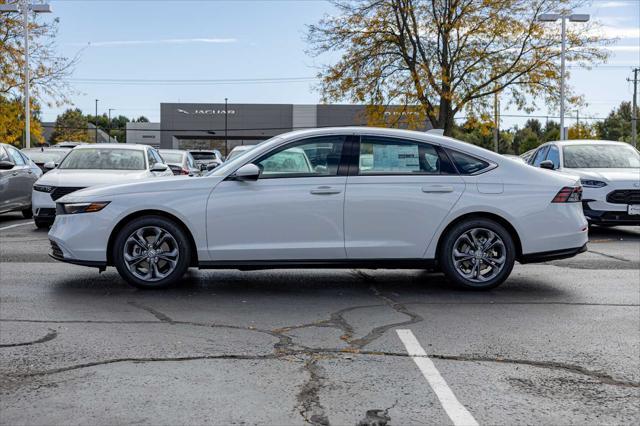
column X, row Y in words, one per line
column 568, row 194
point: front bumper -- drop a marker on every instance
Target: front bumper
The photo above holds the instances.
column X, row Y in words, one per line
column 546, row 256
column 609, row 217
column 43, row 205
column 57, row 254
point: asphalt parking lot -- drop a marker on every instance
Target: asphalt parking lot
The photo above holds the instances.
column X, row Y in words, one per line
column 558, row 343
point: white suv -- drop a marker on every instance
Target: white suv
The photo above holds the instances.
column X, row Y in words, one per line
column 609, row 173
column 89, row 165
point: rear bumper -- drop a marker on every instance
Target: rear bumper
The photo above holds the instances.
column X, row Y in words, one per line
column 546, row 256
column 607, row 217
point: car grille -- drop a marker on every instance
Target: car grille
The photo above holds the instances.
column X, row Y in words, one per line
column 55, row 250
column 61, row 191
column 624, row 196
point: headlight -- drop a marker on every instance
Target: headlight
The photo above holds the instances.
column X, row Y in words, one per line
column 73, row 208
column 43, row 188
column 588, row 183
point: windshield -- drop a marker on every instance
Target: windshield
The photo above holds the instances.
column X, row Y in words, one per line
column 600, row 156
column 203, row 155
column 104, row 159
column 46, row 156
column 172, row 157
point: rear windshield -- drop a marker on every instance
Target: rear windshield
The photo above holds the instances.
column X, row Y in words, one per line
column 46, row 156
column 600, row 156
column 104, row 159
column 203, row 155
column 172, row 157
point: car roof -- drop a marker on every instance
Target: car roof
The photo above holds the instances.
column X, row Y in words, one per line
column 131, row 146
column 46, row 148
column 587, row 142
column 173, row 151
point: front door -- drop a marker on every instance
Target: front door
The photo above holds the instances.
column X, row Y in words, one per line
column 397, row 198
column 294, row 211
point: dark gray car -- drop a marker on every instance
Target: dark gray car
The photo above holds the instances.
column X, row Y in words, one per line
column 17, row 176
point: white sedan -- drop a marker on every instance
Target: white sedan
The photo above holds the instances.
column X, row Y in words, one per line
column 609, row 172
column 303, row 200
column 89, row 165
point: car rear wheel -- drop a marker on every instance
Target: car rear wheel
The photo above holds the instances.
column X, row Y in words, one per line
column 477, row 254
column 151, row 252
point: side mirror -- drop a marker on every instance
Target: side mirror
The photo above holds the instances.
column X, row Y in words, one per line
column 49, row 165
column 159, row 167
column 6, row 165
column 247, row 172
column 547, row 164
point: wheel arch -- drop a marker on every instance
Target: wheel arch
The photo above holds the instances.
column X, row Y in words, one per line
column 151, row 212
column 482, row 215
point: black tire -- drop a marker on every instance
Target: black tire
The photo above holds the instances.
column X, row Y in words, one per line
column 179, row 238
column 42, row 223
column 456, row 276
column 27, row 213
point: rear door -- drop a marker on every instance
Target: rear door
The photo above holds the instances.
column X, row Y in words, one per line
column 21, row 178
column 398, row 193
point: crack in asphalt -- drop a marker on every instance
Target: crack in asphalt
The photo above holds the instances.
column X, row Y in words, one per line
column 308, row 398
column 377, row 417
column 610, row 256
column 161, row 317
column 52, row 334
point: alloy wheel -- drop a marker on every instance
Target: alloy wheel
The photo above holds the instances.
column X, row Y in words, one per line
column 479, row 255
column 151, row 253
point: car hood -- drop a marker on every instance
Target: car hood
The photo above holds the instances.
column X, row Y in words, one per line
column 608, row 175
column 85, row 178
column 149, row 187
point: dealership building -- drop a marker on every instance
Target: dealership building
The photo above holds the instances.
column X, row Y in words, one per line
column 216, row 126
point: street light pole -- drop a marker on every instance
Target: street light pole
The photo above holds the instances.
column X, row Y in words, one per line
column 226, row 147
column 24, row 6
column 96, row 121
column 552, row 17
column 109, row 124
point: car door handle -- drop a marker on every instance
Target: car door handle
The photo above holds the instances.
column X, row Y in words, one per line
column 437, row 188
column 325, row 190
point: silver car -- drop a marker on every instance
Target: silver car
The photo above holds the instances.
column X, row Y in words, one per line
column 180, row 162
column 17, row 176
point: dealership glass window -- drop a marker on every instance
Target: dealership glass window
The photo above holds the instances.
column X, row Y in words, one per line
column 380, row 155
column 309, row 157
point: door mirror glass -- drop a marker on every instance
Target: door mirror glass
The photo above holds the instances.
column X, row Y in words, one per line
column 247, row 172
column 547, row 164
column 159, row 167
column 6, row 165
column 49, row 165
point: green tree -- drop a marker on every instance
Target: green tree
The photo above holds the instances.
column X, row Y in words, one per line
column 617, row 125
column 446, row 56
column 71, row 125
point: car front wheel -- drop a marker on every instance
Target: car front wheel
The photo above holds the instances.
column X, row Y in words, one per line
column 477, row 254
column 151, row 252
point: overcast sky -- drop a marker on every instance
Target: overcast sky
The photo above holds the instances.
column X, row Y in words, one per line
column 260, row 42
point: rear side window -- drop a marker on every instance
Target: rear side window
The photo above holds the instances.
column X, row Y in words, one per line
column 380, row 155
column 467, row 164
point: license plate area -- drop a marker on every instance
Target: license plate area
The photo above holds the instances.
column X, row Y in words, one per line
column 633, row 209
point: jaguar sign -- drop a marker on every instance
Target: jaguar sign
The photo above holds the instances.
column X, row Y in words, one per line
column 206, row 111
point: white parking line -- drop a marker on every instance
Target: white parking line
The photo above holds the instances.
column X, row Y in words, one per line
column 458, row 414
column 15, row 225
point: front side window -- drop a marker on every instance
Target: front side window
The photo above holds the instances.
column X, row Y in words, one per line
column 17, row 158
column 310, row 157
column 104, row 159
column 600, row 156
column 467, row 164
column 380, row 155
column 539, row 157
column 554, row 156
